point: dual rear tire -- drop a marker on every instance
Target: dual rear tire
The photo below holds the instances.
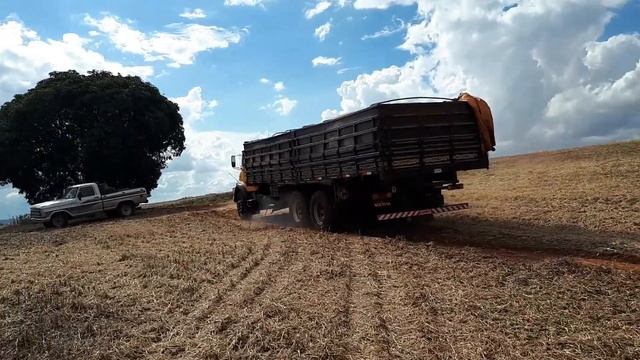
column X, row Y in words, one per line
column 316, row 211
column 299, row 209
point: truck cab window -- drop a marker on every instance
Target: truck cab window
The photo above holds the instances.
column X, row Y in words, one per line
column 70, row 193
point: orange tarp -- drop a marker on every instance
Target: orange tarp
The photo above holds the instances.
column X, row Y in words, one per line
column 484, row 118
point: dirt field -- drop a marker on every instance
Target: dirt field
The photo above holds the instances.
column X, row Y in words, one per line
column 544, row 266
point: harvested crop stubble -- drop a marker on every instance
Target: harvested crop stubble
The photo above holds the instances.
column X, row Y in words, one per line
column 198, row 283
column 593, row 188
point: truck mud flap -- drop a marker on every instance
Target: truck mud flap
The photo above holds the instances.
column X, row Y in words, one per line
column 423, row 212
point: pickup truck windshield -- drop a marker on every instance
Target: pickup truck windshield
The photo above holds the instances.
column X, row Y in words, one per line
column 70, row 193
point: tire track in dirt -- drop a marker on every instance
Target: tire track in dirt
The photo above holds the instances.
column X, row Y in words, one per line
column 250, row 296
column 410, row 325
column 219, row 335
column 194, row 321
column 347, row 307
column 522, row 244
column 311, row 274
column 235, row 278
column 530, row 240
column 370, row 332
column 398, row 315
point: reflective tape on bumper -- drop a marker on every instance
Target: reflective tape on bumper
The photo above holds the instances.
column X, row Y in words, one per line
column 423, row 212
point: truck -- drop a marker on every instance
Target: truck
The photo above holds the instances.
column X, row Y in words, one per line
column 391, row 160
column 86, row 200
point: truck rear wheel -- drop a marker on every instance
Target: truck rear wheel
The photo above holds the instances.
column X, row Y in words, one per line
column 298, row 208
column 321, row 211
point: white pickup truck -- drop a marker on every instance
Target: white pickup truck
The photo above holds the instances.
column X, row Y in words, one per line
column 86, row 200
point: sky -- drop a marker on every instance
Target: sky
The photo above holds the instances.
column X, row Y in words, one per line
column 557, row 73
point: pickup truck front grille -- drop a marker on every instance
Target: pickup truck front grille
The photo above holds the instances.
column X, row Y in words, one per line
column 36, row 213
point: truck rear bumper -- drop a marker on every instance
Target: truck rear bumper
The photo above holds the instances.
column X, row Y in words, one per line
column 423, row 212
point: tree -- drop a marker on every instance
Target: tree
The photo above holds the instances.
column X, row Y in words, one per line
column 73, row 128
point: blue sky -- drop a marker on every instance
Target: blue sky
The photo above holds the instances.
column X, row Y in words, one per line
column 242, row 69
column 279, row 45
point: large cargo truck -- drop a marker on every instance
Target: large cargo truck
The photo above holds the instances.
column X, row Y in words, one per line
column 388, row 161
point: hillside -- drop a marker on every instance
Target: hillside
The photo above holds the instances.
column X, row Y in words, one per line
column 580, row 200
column 593, row 188
column 545, row 265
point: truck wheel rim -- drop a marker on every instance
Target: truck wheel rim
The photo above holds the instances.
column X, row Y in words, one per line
column 126, row 210
column 297, row 212
column 319, row 214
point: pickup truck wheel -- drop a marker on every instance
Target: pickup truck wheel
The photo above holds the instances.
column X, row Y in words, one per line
column 298, row 208
column 59, row 220
column 125, row 209
column 321, row 211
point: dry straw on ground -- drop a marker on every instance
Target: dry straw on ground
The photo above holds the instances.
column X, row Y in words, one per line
column 501, row 281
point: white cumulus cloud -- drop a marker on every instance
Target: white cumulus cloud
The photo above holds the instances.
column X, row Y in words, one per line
column 25, row 58
column 244, row 2
column 384, row 84
column 204, row 167
column 387, row 30
column 193, row 14
column 381, row 4
column 550, row 77
column 179, row 47
column 318, row 9
column 325, row 61
column 283, row 105
column 212, row 104
column 279, row 86
column 193, row 107
column 322, row 31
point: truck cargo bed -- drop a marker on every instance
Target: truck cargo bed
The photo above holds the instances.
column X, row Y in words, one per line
column 387, row 140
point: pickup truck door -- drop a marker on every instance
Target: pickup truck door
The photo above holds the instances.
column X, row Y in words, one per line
column 88, row 201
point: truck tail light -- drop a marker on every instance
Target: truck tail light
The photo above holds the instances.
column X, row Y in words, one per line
column 381, row 196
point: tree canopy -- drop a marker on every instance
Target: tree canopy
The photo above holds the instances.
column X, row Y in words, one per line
column 99, row 127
